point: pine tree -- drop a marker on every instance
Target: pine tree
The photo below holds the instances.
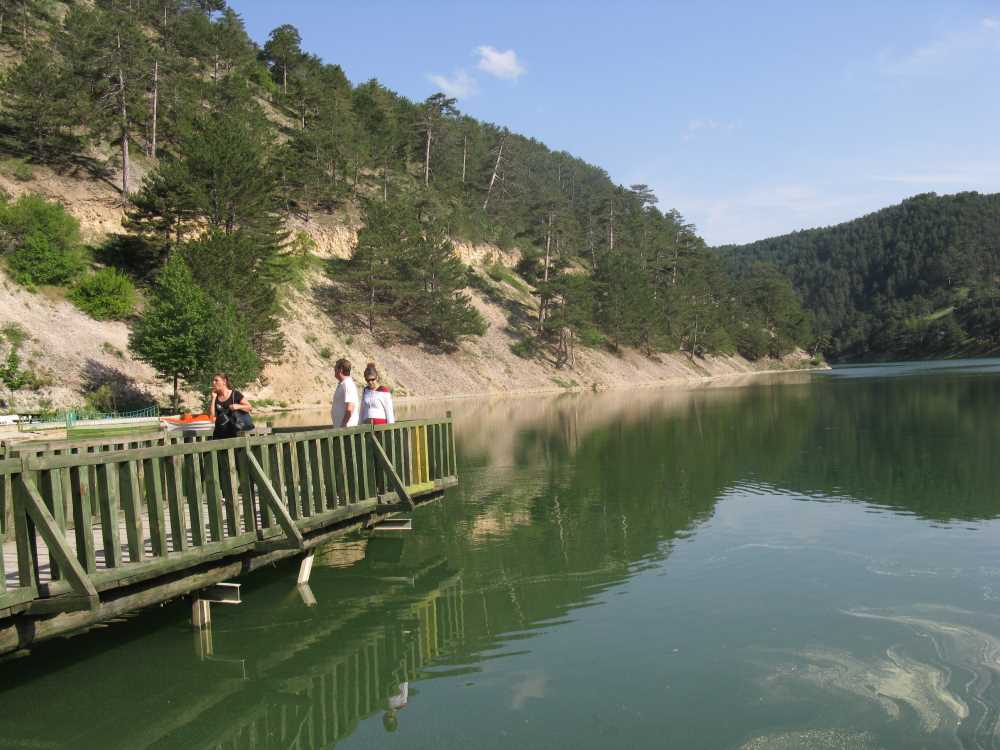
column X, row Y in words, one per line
column 174, row 332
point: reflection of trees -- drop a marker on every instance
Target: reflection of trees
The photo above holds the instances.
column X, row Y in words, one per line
column 286, row 677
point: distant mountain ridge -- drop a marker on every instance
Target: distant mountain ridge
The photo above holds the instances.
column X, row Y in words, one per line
column 914, row 280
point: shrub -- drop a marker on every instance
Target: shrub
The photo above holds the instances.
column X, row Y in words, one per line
column 526, row 348
column 39, row 260
column 105, row 295
column 33, row 215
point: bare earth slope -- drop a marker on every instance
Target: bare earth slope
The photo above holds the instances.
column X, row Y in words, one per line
column 76, row 353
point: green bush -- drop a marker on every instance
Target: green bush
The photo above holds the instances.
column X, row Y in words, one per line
column 107, row 294
column 33, row 215
column 526, row 348
column 41, row 241
column 38, row 260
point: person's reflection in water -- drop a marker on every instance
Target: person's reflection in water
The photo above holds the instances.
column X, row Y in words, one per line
column 394, row 705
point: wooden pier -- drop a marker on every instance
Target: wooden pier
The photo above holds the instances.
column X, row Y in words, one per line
column 91, row 533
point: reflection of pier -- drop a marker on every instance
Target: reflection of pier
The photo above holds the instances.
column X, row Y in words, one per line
column 276, row 681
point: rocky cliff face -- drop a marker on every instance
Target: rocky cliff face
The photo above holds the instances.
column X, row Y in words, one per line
column 73, row 354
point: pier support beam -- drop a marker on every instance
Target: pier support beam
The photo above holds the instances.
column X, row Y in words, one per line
column 201, row 613
column 305, row 568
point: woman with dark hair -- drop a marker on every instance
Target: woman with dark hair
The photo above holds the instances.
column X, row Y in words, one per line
column 376, row 400
column 223, row 401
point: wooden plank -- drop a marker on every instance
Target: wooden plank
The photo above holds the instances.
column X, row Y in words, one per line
column 194, row 492
column 108, row 503
column 355, row 474
column 305, row 489
column 50, row 486
column 153, row 480
column 329, row 476
column 276, row 473
column 319, row 485
column 6, row 506
column 80, row 495
column 393, row 477
column 442, row 466
column 174, row 474
column 453, row 464
column 343, row 490
column 408, row 454
column 229, row 481
column 292, row 478
column 246, row 487
column 55, row 540
column 128, row 483
column 366, row 486
column 213, row 494
column 292, row 534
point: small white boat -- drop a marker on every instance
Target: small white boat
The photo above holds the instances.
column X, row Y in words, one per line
column 189, row 423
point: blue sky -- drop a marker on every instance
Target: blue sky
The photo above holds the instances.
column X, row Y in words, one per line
column 750, row 118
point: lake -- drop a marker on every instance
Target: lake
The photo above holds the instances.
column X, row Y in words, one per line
column 803, row 561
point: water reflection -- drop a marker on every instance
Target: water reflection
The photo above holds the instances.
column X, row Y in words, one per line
column 811, row 557
column 279, row 674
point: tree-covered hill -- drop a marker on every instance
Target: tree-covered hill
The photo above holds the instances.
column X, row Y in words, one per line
column 916, row 280
column 235, row 138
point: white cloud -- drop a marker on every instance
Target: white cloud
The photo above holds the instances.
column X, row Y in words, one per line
column 499, row 64
column 705, row 125
column 460, row 84
column 949, row 49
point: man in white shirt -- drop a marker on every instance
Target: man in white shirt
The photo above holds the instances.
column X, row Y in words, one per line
column 345, row 412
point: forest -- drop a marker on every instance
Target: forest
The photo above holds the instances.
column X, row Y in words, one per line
column 912, row 281
column 232, row 138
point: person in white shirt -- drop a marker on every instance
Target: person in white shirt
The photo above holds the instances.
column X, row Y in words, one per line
column 345, row 411
column 376, row 400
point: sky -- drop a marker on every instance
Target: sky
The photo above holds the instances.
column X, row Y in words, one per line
column 750, row 118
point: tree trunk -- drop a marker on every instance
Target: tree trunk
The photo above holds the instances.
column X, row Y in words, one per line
column 465, row 150
column 611, row 229
column 284, row 78
column 176, row 398
column 156, row 101
column 427, row 160
column 496, row 167
column 124, row 144
column 542, row 303
column 385, row 181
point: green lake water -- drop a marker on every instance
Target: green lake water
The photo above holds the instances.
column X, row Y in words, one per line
column 809, row 561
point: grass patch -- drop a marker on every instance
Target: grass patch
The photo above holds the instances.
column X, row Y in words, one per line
column 503, row 275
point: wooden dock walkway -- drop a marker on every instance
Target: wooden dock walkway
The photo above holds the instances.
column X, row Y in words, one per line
column 89, row 534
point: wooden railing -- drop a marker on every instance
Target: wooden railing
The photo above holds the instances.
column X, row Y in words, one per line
column 86, row 523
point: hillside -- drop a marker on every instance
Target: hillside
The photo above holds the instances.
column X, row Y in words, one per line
column 232, row 206
column 74, row 355
column 915, row 280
